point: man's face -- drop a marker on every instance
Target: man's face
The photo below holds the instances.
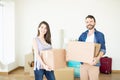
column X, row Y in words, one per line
column 90, row 23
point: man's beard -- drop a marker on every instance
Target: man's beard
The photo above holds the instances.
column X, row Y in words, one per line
column 90, row 27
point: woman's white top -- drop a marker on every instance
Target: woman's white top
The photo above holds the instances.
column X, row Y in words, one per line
column 41, row 47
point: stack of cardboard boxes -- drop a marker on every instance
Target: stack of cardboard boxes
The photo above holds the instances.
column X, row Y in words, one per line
column 57, row 58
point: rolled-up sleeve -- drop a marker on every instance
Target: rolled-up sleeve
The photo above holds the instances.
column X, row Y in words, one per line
column 102, row 42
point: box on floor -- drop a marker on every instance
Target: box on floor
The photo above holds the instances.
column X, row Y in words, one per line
column 28, row 60
column 66, row 73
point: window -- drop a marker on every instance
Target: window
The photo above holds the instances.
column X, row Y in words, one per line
column 1, row 32
column 7, row 32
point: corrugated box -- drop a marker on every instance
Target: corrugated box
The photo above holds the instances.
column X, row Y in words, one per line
column 64, row 73
column 82, row 51
column 55, row 58
column 28, row 60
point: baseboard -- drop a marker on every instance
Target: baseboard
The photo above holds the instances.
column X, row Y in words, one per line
column 19, row 67
column 6, row 73
column 115, row 71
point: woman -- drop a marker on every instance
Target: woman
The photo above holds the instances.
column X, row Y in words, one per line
column 42, row 42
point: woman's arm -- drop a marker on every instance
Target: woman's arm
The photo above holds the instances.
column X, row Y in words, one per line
column 36, row 52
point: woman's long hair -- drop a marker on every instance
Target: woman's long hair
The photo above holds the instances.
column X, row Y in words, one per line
column 47, row 36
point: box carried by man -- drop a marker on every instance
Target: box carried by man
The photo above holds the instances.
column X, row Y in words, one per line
column 82, row 51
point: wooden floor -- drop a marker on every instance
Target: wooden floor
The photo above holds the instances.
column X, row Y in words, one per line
column 19, row 74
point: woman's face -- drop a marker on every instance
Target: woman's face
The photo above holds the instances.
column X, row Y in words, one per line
column 43, row 29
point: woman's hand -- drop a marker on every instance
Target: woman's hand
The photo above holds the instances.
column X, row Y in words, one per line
column 46, row 67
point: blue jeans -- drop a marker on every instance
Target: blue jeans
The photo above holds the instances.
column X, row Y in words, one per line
column 39, row 74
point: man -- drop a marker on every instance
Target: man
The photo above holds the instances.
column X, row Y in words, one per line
column 91, row 71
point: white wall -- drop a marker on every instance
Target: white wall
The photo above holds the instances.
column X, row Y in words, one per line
column 67, row 15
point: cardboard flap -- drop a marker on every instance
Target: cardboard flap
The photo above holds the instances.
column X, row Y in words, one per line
column 97, row 49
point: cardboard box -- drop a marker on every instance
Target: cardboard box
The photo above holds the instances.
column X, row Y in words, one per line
column 64, row 73
column 82, row 51
column 55, row 58
column 28, row 60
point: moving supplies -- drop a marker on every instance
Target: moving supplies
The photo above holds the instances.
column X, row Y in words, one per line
column 28, row 59
column 55, row 58
column 82, row 51
column 66, row 73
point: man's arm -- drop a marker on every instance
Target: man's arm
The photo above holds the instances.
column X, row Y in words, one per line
column 96, row 59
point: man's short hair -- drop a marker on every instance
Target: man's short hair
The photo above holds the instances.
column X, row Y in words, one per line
column 92, row 17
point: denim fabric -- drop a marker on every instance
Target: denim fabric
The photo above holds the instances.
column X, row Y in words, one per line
column 99, row 38
column 39, row 74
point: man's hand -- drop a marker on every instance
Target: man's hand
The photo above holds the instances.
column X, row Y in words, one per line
column 95, row 60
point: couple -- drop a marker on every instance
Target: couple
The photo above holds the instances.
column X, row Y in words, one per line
column 43, row 42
